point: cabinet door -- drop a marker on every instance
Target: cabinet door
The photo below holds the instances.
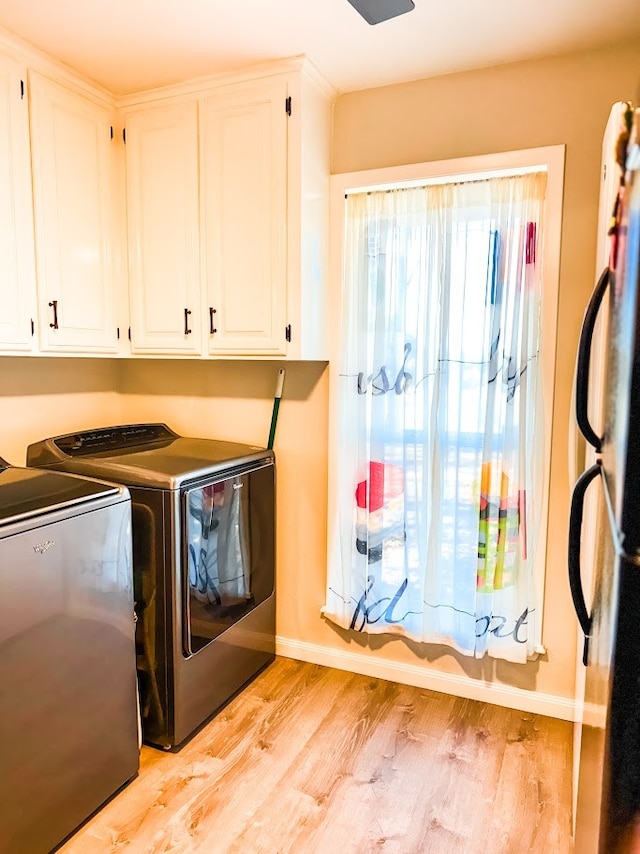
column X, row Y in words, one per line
column 17, row 259
column 73, row 179
column 245, row 186
column 163, row 225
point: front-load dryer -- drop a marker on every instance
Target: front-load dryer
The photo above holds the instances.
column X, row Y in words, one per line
column 203, row 562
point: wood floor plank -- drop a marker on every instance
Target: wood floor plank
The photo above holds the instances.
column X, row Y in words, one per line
column 226, row 766
column 326, row 766
column 258, row 771
column 535, row 775
column 384, row 792
column 310, row 760
column 459, row 788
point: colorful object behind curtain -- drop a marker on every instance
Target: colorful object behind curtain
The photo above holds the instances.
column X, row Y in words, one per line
column 439, row 439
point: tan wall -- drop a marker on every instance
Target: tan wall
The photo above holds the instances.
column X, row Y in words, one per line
column 565, row 100
column 42, row 397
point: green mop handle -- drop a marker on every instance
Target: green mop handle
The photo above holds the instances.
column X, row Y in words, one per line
column 276, row 407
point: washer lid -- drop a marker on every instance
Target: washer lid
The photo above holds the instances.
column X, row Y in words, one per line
column 32, row 492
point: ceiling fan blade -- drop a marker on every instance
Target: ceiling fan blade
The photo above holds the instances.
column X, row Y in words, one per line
column 375, row 11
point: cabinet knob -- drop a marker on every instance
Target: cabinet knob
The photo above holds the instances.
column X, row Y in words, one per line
column 54, row 305
column 187, row 312
column 212, row 330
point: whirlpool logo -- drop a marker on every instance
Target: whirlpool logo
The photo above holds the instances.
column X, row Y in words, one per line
column 42, row 548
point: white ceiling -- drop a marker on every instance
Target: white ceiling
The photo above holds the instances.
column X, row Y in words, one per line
column 130, row 45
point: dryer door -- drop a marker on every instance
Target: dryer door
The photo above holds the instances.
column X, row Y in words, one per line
column 228, row 554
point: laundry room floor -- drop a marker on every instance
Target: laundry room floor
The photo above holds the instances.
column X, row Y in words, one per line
column 311, row 760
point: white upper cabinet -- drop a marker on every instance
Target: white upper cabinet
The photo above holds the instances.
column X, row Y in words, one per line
column 17, row 260
column 309, row 135
column 205, row 234
column 228, row 217
column 245, row 217
column 163, row 229
column 73, row 184
column 266, row 155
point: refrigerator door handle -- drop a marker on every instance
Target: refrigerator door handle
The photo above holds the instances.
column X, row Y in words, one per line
column 575, row 534
column 584, row 358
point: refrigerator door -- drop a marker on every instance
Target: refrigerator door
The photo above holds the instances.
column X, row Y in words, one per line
column 607, row 816
column 599, row 636
column 620, row 813
column 608, row 803
column 589, row 390
column 68, row 707
column 621, row 446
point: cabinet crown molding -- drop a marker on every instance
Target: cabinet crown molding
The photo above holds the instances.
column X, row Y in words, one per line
column 196, row 86
column 36, row 60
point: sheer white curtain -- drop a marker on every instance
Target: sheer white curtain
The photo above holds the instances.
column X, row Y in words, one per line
column 440, row 423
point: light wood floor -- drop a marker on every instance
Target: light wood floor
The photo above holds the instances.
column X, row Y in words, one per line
column 311, row 760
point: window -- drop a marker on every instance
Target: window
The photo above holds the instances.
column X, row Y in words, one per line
column 441, row 400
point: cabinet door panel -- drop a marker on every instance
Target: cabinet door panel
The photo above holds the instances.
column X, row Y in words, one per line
column 17, row 258
column 163, row 208
column 73, row 185
column 245, row 172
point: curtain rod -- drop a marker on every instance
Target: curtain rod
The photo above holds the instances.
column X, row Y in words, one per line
column 444, row 179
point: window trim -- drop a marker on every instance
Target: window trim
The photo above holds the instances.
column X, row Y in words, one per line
column 551, row 158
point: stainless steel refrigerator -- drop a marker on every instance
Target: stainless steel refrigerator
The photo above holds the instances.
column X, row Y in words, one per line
column 607, row 816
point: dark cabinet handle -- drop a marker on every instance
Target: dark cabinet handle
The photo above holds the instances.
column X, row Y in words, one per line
column 54, row 306
column 187, row 312
column 575, row 535
column 212, row 330
column 584, row 358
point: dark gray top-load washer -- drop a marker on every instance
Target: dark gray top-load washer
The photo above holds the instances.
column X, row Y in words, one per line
column 68, row 701
column 203, row 561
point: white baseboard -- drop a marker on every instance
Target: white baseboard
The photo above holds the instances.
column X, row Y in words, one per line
column 421, row 676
